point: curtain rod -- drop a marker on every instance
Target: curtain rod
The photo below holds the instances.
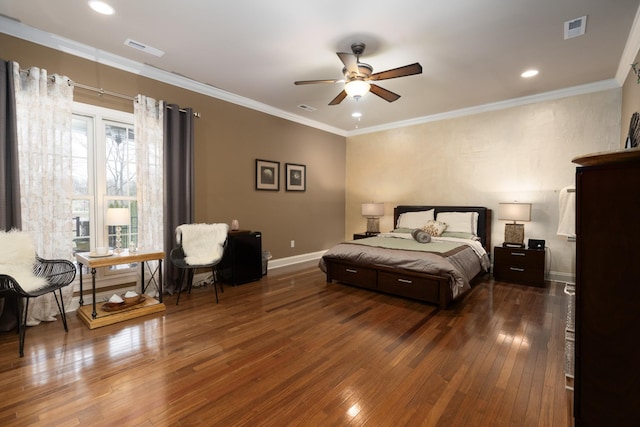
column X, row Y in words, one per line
column 102, row 91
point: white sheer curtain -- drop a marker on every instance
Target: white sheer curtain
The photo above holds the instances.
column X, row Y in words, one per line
column 44, row 112
column 148, row 127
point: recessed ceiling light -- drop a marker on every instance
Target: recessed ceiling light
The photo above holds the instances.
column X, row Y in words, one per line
column 101, row 7
column 356, row 115
column 529, row 73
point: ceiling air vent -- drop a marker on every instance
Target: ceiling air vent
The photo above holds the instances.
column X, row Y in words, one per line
column 306, row 107
column 143, row 47
column 575, row 27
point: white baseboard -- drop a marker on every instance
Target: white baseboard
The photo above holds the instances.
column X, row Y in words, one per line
column 271, row 264
column 559, row 276
column 297, row 259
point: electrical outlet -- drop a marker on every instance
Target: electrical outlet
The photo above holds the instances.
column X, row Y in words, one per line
column 293, row 243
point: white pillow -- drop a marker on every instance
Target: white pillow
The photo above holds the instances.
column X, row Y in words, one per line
column 415, row 219
column 460, row 222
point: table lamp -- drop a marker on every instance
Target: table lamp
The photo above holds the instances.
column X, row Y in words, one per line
column 373, row 211
column 514, row 233
column 118, row 217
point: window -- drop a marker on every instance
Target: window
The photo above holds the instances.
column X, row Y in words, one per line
column 104, row 176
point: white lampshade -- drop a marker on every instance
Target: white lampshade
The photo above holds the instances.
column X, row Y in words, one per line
column 357, row 88
column 372, row 209
column 118, row 216
column 514, row 211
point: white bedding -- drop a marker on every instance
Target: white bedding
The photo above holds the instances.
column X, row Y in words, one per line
column 473, row 244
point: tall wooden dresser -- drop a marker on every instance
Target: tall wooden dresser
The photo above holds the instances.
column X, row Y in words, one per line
column 607, row 323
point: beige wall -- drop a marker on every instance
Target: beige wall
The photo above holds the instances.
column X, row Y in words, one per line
column 522, row 153
column 228, row 140
column 630, row 102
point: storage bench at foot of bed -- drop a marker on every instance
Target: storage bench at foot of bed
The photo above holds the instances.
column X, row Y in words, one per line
column 423, row 287
column 364, row 277
column 409, row 286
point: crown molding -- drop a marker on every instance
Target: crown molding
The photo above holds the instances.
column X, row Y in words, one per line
column 501, row 105
column 630, row 51
column 17, row 29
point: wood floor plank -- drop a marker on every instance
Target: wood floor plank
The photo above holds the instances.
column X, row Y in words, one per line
column 294, row 350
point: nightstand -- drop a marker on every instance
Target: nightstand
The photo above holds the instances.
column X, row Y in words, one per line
column 364, row 235
column 519, row 265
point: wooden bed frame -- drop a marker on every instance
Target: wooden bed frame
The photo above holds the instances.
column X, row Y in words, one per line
column 425, row 287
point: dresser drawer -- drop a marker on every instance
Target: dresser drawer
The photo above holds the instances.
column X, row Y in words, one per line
column 409, row 286
column 519, row 257
column 354, row 275
column 519, row 265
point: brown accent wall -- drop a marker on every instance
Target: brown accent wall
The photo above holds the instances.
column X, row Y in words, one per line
column 228, row 140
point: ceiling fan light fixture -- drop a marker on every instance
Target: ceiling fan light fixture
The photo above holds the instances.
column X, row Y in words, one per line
column 357, row 88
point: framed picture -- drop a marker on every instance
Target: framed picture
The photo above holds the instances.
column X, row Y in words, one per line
column 267, row 175
column 296, row 176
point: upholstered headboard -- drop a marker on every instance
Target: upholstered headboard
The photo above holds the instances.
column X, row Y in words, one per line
column 484, row 218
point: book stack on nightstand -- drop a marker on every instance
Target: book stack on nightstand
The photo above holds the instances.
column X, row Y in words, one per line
column 519, row 265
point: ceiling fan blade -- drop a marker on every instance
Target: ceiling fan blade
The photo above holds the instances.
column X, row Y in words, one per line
column 407, row 70
column 310, row 82
column 385, row 94
column 338, row 99
column 350, row 62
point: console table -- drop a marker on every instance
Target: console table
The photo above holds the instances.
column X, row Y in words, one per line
column 98, row 317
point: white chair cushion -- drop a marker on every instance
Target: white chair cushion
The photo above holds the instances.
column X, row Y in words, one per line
column 17, row 256
column 202, row 243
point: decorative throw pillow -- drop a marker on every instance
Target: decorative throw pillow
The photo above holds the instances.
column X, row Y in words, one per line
column 434, row 228
column 421, row 236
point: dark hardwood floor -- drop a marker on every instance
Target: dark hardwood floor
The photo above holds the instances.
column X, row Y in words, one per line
column 294, row 350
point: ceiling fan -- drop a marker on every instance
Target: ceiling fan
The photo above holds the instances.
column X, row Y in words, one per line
column 358, row 77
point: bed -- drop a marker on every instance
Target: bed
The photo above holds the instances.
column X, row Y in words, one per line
column 437, row 272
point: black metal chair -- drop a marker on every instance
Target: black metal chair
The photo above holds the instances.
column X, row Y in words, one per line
column 214, row 236
column 58, row 274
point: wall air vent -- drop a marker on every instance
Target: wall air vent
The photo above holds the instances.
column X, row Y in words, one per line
column 306, row 107
column 143, row 47
column 575, row 27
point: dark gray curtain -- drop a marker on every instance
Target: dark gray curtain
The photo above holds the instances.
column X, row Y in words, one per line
column 178, row 180
column 10, row 216
column 9, row 176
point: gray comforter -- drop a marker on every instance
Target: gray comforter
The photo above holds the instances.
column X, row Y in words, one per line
column 452, row 259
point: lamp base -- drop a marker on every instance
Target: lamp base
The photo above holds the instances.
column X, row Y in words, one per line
column 118, row 248
column 514, row 235
column 373, row 225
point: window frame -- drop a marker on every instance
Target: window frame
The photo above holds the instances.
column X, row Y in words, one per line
column 97, row 117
